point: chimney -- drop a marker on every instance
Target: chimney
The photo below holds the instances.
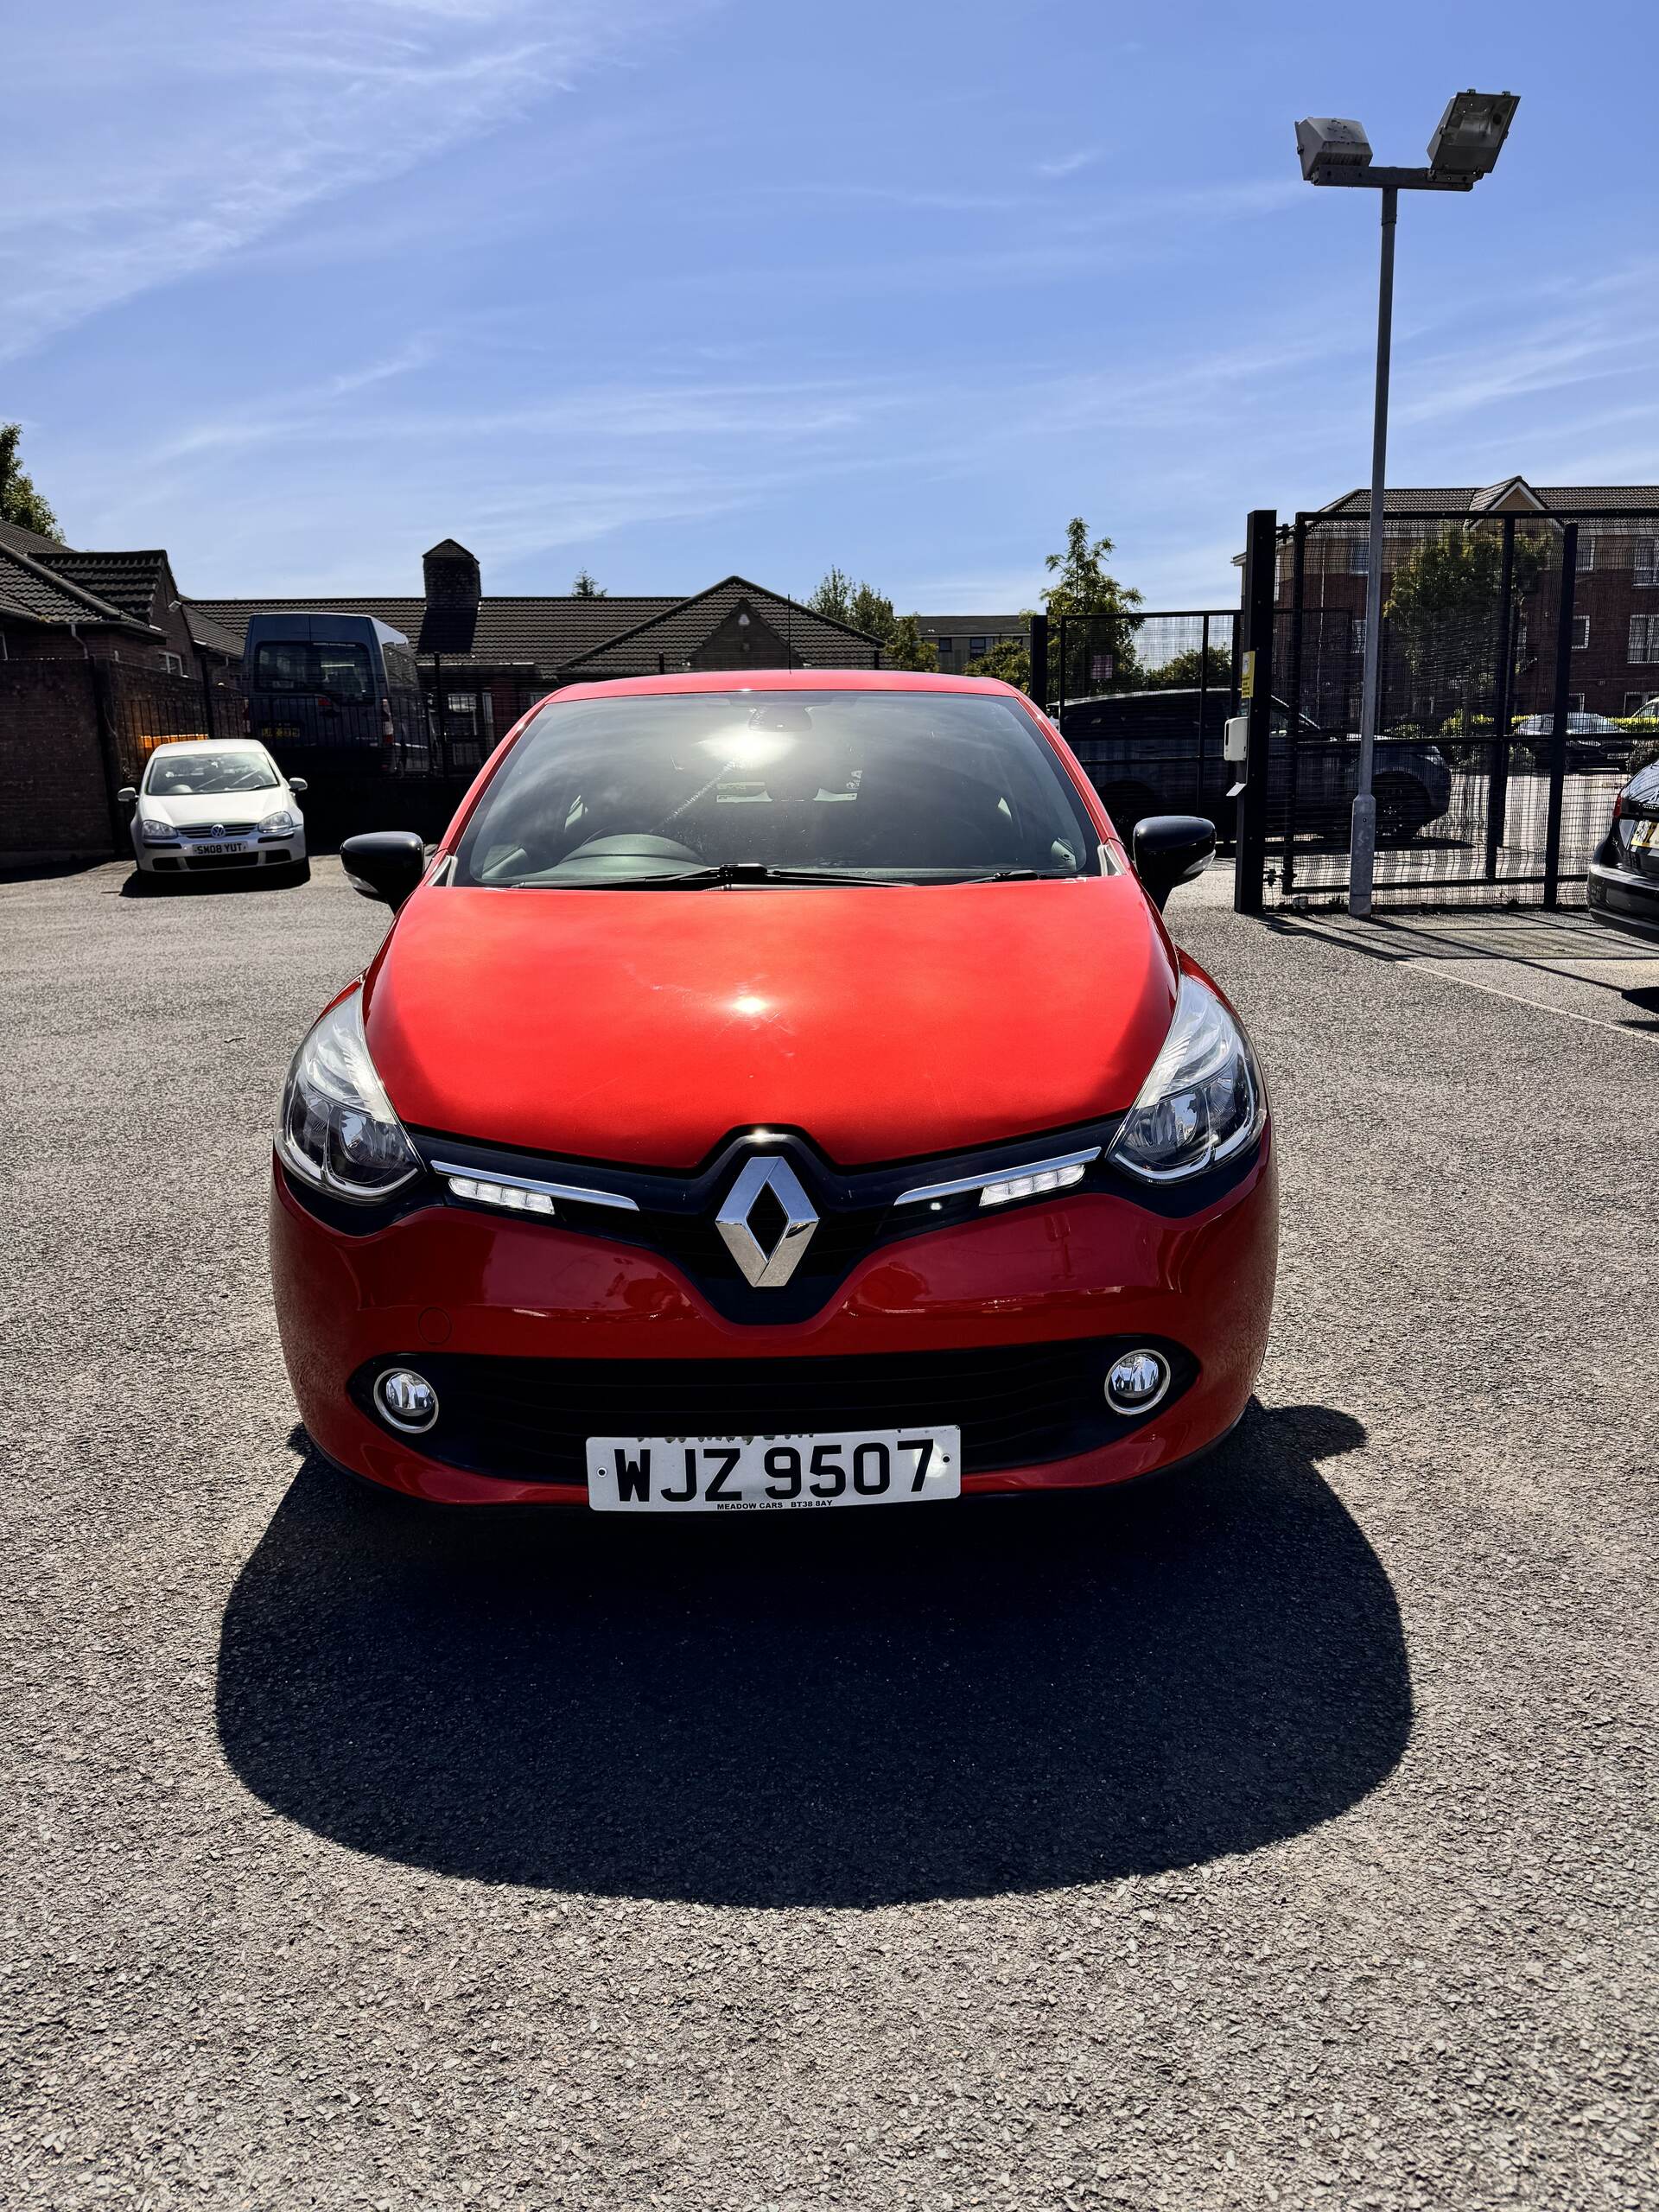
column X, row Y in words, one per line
column 452, row 593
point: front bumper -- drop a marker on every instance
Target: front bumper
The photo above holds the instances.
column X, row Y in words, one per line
column 1041, row 1291
column 251, row 856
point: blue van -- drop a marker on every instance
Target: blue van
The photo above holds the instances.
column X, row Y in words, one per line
column 334, row 691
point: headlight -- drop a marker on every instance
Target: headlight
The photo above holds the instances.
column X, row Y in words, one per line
column 280, row 825
column 1203, row 1101
column 155, row 831
column 338, row 1131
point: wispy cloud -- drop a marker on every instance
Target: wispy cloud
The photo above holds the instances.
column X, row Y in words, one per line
column 1068, row 164
column 156, row 144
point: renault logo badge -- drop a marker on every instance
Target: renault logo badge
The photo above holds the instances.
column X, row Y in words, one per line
column 762, row 1269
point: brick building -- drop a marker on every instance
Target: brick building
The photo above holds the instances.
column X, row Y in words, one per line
column 57, row 603
column 1615, row 601
column 958, row 639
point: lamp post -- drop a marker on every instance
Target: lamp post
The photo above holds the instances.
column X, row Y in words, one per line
column 1334, row 149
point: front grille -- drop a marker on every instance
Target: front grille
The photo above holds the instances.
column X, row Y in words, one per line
column 1016, row 1405
column 857, row 1208
column 214, row 830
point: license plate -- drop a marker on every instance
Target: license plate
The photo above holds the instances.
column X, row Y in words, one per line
column 219, row 849
column 772, row 1474
column 1645, row 836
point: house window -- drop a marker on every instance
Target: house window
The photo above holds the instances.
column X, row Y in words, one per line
column 1580, row 633
column 1586, row 556
column 946, row 645
column 1636, row 701
column 1575, row 703
column 172, row 663
column 1646, row 563
column 1359, row 556
column 1644, row 636
column 977, row 646
column 1356, row 634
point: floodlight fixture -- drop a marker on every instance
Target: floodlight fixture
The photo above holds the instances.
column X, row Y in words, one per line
column 1332, row 141
column 1470, row 136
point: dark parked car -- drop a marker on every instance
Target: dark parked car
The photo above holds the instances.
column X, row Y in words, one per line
column 1594, row 744
column 1159, row 753
column 1623, row 889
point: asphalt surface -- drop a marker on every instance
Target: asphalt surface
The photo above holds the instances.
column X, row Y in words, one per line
column 1283, row 1834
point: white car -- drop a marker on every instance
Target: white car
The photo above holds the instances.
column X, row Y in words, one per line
column 209, row 805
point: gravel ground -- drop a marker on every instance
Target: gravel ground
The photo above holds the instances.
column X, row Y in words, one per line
column 1282, row 1835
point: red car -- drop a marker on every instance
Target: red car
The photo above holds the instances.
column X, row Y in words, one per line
column 777, row 1092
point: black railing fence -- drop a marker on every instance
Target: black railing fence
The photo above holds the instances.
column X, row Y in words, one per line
column 1515, row 670
column 141, row 709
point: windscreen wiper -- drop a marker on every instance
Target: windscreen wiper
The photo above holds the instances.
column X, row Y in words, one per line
column 1014, row 875
column 729, row 875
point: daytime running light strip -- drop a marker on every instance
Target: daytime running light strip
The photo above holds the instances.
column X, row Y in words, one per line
column 469, row 1183
column 1066, row 1168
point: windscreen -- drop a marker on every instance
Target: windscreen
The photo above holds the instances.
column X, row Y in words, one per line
column 856, row 786
column 205, row 773
column 295, row 664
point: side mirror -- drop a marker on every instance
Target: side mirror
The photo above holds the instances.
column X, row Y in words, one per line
column 298, row 783
column 385, row 864
column 1171, row 849
column 127, row 795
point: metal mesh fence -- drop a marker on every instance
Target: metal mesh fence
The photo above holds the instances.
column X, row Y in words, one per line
column 1142, row 702
column 1488, row 622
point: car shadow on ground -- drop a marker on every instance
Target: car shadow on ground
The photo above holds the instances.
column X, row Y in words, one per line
column 848, row 1709
column 219, row 884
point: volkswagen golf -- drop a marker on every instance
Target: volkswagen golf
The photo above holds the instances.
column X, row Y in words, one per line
column 776, row 1092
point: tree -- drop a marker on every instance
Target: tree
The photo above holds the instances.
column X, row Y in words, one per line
column 1444, row 604
column 585, row 588
column 834, row 597
column 1009, row 662
column 1083, row 586
column 19, row 501
column 862, row 607
column 906, row 646
column 1187, row 670
column 859, row 606
column 871, row 612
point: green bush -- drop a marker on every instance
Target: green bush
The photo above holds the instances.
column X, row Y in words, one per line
column 1644, row 754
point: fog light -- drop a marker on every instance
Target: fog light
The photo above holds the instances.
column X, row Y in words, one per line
column 407, row 1400
column 1136, row 1382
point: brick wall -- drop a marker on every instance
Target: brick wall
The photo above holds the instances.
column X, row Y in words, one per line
column 54, row 795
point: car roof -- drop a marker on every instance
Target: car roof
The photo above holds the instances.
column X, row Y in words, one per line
column 206, row 744
column 786, row 679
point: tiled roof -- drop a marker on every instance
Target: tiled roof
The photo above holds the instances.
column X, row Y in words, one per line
column 675, row 635
column 931, row 624
column 124, row 580
column 548, row 633
column 1471, row 499
column 15, row 539
column 30, row 592
column 214, row 636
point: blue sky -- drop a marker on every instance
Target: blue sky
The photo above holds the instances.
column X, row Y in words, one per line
column 676, row 287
